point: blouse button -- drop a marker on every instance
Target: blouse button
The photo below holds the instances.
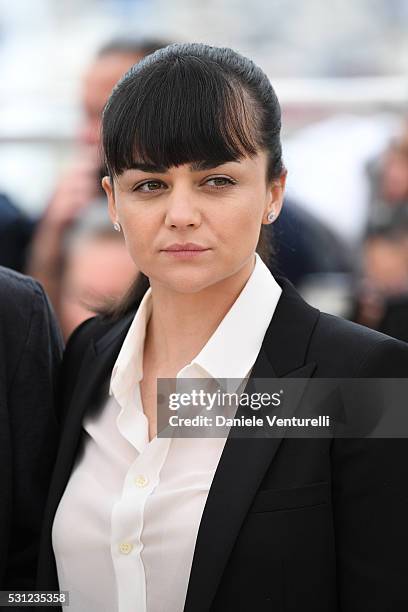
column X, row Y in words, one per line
column 141, row 481
column 125, row 548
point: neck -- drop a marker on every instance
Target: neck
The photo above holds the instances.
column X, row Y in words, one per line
column 181, row 324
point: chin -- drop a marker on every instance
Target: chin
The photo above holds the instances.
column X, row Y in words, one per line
column 188, row 283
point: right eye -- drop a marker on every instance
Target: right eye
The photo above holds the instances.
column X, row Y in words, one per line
column 149, row 187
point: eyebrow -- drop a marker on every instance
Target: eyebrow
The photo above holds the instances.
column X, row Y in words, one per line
column 194, row 167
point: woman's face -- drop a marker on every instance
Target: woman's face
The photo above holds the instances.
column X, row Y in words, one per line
column 190, row 227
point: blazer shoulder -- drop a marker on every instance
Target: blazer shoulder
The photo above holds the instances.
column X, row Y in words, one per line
column 17, row 289
column 93, row 332
column 363, row 352
column 89, row 331
column 25, row 311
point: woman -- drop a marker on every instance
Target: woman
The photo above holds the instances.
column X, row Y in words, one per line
column 140, row 522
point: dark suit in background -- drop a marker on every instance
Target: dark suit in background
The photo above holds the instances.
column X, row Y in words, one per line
column 30, row 353
column 290, row 525
column 16, row 230
column 395, row 319
column 305, row 246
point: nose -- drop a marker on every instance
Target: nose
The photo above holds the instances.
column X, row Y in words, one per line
column 182, row 211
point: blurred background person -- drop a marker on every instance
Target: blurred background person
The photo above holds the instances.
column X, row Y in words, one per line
column 381, row 300
column 388, row 176
column 79, row 187
column 96, row 268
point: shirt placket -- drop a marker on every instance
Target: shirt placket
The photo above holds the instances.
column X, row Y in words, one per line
column 128, row 514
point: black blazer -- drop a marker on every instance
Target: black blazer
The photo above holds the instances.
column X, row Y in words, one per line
column 289, row 525
column 30, row 353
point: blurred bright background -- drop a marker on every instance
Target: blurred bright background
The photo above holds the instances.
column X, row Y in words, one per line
column 340, row 70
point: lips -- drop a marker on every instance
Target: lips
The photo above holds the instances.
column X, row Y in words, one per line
column 189, row 246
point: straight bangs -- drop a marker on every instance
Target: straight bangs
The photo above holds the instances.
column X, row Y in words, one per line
column 177, row 111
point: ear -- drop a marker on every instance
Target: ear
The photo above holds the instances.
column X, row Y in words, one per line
column 107, row 186
column 274, row 203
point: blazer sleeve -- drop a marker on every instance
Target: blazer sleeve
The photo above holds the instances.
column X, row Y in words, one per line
column 34, row 433
column 370, row 502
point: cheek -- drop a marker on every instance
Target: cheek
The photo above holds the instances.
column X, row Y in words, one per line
column 139, row 233
column 240, row 228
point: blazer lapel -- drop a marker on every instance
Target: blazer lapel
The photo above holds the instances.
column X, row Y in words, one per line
column 244, row 461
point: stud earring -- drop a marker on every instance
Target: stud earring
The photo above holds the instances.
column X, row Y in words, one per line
column 271, row 216
column 116, row 226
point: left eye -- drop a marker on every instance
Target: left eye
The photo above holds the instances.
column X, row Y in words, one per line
column 219, row 181
column 149, row 186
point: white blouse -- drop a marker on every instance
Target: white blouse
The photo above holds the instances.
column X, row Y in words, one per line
column 125, row 529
